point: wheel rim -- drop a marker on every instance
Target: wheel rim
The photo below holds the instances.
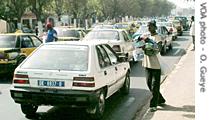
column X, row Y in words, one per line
column 101, row 103
column 127, row 82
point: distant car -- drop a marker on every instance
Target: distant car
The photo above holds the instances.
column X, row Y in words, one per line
column 69, row 34
column 179, row 27
column 14, row 48
column 118, row 39
column 166, row 37
column 77, row 73
column 171, row 28
column 183, row 21
column 103, row 26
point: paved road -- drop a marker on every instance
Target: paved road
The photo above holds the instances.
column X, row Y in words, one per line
column 117, row 107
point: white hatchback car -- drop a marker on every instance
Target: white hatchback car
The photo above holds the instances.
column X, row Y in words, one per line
column 74, row 73
column 118, row 39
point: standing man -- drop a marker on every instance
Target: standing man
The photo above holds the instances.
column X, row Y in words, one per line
column 51, row 33
column 153, row 70
column 192, row 30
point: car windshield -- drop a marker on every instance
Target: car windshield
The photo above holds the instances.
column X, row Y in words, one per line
column 103, row 34
column 121, row 26
column 176, row 23
column 7, row 41
column 59, row 57
column 67, row 33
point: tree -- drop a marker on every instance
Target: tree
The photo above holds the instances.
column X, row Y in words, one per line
column 13, row 9
column 37, row 7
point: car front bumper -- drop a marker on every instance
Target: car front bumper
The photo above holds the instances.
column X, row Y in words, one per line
column 54, row 97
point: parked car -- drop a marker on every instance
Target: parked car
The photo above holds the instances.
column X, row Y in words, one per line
column 78, row 73
column 166, row 37
column 118, row 39
column 14, row 48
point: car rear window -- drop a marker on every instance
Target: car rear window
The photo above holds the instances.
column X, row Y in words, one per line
column 7, row 41
column 59, row 57
column 103, row 34
column 67, row 33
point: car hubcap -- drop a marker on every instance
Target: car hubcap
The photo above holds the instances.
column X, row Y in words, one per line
column 101, row 102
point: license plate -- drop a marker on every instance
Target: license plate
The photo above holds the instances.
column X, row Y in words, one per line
column 51, row 83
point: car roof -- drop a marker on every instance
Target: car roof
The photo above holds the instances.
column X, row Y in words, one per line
column 118, row 30
column 17, row 34
column 89, row 43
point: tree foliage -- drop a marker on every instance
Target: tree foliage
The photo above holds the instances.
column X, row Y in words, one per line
column 103, row 9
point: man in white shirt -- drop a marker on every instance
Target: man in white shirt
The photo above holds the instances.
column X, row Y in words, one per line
column 192, row 30
column 153, row 70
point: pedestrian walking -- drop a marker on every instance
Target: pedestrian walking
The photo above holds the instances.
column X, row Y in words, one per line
column 192, row 30
column 152, row 68
column 51, row 33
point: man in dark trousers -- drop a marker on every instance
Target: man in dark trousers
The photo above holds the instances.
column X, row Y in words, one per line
column 153, row 70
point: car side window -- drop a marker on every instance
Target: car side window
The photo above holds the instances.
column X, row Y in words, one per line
column 36, row 41
column 125, row 36
column 26, row 42
column 165, row 30
column 111, row 54
column 103, row 58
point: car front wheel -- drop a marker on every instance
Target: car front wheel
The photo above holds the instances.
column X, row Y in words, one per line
column 126, row 86
column 163, row 50
column 28, row 109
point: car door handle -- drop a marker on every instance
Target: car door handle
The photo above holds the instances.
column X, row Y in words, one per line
column 116, row 68
column 105, row 73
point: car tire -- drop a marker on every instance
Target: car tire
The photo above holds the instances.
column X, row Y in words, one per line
column 126, row 86
column 99, row 106
column 28, row 109
column 163, row 50
column 170, row 47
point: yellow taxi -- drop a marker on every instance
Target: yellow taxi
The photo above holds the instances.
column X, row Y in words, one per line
column 14, row 48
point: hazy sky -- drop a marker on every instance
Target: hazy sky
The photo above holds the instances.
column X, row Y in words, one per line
column 182, row 3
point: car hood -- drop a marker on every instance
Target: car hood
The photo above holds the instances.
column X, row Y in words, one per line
column 104, row 40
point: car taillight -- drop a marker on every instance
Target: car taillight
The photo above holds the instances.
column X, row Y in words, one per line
column 116, row 48
column 83, row 82
column 21, row 79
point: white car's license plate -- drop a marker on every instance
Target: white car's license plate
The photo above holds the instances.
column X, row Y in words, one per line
column 51, row 83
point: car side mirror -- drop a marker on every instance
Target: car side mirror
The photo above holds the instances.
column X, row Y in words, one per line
column 122, row 58
column 114, row 61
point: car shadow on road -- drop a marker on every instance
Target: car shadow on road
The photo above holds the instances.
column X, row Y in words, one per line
column 175, row 44
column 182, row 38
column 5, row 80
column 117, row 107
column 176, row 52
column 137, row 67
